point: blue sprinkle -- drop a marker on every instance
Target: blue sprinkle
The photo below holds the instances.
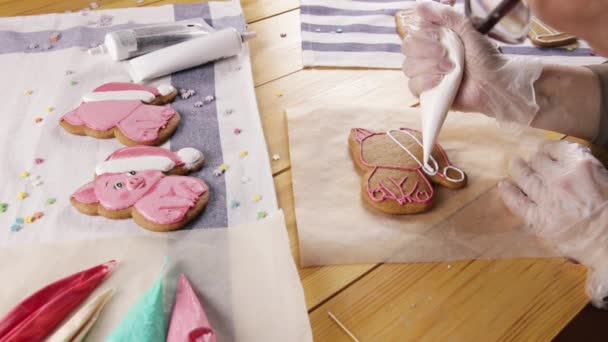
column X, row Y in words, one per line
column 235, row 204
column 339, row 30
column 19, row 220
column 15, row 228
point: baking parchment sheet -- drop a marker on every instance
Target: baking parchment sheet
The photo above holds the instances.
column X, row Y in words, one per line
column 334, row 225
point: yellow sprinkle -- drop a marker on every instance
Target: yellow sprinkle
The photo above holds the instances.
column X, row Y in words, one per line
column 570, row 49
column 243, row 153
column 28, row 92
column 223, row 167
column 50, row 109
column 256, row 198
column 22, row 195
column 24, row 174
column 280, row 94
column 29, row 219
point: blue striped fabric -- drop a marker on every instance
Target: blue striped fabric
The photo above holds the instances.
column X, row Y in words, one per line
column 362, row 33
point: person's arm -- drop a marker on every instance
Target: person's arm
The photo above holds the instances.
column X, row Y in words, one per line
column 569, row 99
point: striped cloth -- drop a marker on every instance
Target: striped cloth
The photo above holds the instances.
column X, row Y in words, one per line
column 361, row 33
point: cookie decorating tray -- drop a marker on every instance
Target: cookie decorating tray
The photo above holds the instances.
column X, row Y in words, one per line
column 46, row 60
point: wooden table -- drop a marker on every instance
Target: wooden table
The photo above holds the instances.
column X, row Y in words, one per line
column 477, row 300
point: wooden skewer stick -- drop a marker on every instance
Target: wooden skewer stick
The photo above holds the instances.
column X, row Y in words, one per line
column 335, row 319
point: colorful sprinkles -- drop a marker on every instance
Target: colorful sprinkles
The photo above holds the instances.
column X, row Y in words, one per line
column 243, row 154
column 3, row 207
column 28, row 92
column 262, row 214
column 234, row 204
column 256, row 198
column 22, row 195
column 50, row 201
column 24, row 174
column 38, row 161
column 237, row 131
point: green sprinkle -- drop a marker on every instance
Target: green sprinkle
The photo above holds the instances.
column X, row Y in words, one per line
column 73, row 82
column 262, row 214
column 51, row 201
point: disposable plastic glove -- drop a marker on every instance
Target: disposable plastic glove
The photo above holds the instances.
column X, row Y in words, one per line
column 562, row 194
column 493, row 84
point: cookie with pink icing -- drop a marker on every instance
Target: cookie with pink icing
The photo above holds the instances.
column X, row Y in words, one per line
column 147, row 184
column 394, row 180
column 132, row 113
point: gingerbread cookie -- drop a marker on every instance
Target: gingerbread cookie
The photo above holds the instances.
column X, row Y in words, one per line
column 130, row 112
column 394, row 179
column 141, row 182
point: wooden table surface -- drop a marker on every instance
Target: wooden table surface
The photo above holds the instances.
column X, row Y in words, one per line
column 477, row 300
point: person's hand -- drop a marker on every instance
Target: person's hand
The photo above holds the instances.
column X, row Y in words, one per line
column 562, row 194
column 492, row 84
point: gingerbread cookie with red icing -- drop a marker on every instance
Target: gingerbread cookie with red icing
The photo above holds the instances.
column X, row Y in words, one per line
column 132, row 113
column 394, row 180
column 143, row 182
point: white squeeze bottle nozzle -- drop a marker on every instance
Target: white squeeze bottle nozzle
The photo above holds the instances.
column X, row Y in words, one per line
column 435, row 103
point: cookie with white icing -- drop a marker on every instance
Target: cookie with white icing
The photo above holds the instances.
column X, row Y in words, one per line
column 132, row 113
column 147, row 184
column 393, row 178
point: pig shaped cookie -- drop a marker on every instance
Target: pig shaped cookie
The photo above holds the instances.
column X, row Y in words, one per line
column 147, row 184
column 394, row 179
column 130, row 112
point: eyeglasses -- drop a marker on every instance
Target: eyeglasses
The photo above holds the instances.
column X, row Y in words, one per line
column 505, row 20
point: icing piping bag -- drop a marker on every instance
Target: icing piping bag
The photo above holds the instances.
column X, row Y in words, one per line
column 435, row 103
column 37, row 315
column 145, row 321
column 77, row 327
column 188, row 320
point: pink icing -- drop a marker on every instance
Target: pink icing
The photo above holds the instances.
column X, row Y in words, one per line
column 120, row 86
column 142, row 151
column 144, row 123
column 86, row 194
column 170, row 199
column 159, row 198
column 116, row 191
column 136, row 120
column 382, row 192
column 101, row 115
column 188, row 320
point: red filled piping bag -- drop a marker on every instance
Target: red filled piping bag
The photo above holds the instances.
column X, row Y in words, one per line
column 39, row 314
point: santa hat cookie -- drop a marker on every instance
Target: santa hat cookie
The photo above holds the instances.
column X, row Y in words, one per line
column 140, row 158
column 146, row 183
column 164, row 93
column 130, row 112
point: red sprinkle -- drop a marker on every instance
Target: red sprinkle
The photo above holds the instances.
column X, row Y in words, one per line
column 237, row 131
column 38, row 161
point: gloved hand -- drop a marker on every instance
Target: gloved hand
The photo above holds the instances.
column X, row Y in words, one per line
column 492, row 84
column 562, row 194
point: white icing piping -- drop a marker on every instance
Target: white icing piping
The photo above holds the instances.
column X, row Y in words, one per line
column 142, row 163
column 141, row 95
column 165, row 89
column 431, row 171
column 190, row 157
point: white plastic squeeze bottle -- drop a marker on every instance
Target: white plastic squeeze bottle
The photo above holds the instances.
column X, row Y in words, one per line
column 124, row 44
column 435, row 103
column 220, row 44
